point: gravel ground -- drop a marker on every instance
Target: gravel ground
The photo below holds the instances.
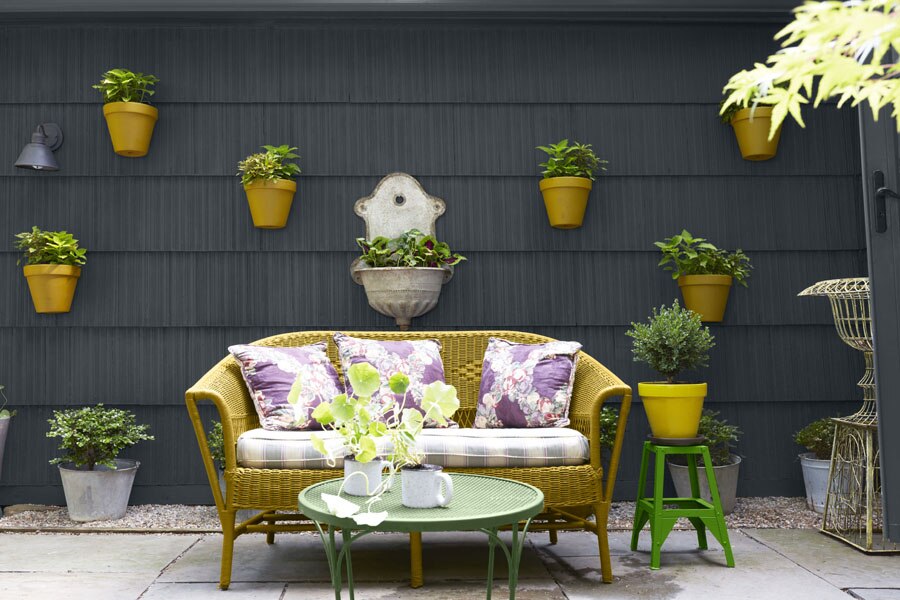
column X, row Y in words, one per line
column 767, row 513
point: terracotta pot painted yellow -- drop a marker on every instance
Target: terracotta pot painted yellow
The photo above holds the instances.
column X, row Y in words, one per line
column 706, row 295
column 130, row 127
column 270, row 202
column 673, row 409
column 753, row 134
column 52, row 287
column 566, row 200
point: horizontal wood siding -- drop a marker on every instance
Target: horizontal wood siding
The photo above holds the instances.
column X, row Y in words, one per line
column 176, row 271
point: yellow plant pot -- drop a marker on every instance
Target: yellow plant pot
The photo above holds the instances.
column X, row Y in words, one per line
column 673, row 409
column 706, row 295
column 270, row 202
column 753, row 134
column 52, row 287
column 130, row 127
column 566, row 200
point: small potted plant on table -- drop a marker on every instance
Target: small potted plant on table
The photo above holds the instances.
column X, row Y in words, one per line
column 818, row 438
column 269, row 183
column 569, row 174
column 704, row 273
column 673, row 340
column 97, row 484
column 403, row 276
column 53, row 264
column 720, row 437
column 129, row 116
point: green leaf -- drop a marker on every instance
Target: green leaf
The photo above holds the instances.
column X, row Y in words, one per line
column 367, row 449
column 342, row 408
column 439, row 401
column 364, row 379
column 322, row 413
column 318, row 444
column 399, row 383
column 294, row 395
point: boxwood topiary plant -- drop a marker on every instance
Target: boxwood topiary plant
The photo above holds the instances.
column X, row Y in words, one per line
column 94, row 435
column 817, row 437
column 672, row 341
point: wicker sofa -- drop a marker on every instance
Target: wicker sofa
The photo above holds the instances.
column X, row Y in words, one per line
column 571, row 493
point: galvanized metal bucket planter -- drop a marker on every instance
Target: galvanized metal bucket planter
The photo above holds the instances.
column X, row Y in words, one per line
column 726, row 480
column 815, row 478
column 4, row 430
column 101, row 494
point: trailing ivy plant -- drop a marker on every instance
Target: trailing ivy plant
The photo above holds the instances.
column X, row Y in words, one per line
column 817, row 437
column 94, row 435
column 5, row 413
column 50, row 248
column 671, row 341
column 269, row 165
column 683, row 254
column 577, row 160
column 122, row 85
column 411, row 249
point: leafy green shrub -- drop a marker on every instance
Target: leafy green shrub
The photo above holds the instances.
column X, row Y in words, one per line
column 671, row 341
column 215, row 440
column 94, row 435
column 269, row 165
column 720, row 437
column 412, row 249
column 684, row 254
column 577, row 160
column 5, row 413
column 609, row 420
column 50, row 248
column 122, row 85
column 817, row 437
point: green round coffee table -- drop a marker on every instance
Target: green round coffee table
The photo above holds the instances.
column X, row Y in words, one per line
column 480, row 503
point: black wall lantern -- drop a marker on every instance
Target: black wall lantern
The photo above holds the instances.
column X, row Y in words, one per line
column 38, row 155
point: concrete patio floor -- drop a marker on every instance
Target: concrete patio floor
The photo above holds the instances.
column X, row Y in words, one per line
column 770, row 564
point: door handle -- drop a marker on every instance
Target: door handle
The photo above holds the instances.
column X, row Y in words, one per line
column 881, row 192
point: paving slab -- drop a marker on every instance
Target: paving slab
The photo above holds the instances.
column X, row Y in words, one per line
column 91, row 553
column 834, row 561
column 236, row 591
column 875, row 593
column 73, row 586
column 437, row 591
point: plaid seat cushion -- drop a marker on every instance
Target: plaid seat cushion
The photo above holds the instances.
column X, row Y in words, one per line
column 474, row 448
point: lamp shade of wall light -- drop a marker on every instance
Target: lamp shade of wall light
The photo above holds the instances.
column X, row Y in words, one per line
column 38, row 154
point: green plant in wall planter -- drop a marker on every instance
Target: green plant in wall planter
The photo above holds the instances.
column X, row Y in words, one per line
column 569, row 174
column 671, row 341
column 268, row 180
column 704, row 272
column 721, row 437
column 97, row 484
column 129, row 116
column 752, row 125
column 818, row 439
column 53, row 262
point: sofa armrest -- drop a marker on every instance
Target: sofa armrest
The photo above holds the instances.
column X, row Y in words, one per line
column 594, row 386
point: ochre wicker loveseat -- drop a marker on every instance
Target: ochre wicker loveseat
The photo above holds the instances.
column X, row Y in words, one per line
column 571, row 493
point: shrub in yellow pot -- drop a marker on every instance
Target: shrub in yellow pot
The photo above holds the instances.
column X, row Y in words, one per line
column 671, row 341
column 568, row 179
column 704, row 273
column 268, row 182
column 53, row 264
column 129, row 116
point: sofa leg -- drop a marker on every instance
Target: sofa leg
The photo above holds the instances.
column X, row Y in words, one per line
column 553, row 537
column 601, row 514
column 416, row 579
column 270, row 535
column 227, row 548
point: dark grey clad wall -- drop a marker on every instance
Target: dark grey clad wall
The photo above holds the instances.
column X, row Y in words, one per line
column 176, row 271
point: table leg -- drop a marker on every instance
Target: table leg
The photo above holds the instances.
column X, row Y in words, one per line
column 345, row 553
column 491, row 545
column 332, row 555
column 513, row 555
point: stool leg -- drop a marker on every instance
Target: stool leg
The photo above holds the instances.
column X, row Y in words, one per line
column 695, row 493
column 657, row 528
column 640, row 515
column 721, row 531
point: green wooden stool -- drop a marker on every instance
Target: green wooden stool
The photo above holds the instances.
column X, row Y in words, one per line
column 703, row 515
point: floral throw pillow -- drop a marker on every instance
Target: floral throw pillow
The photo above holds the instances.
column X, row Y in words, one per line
column 286, row 384
column 526, row 385
column 420, row 360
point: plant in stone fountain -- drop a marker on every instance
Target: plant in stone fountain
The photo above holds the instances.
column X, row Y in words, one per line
column 421, row 483
column 96, row 483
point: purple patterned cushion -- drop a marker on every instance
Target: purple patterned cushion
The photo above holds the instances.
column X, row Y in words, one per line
column 270, row 374
column 526, row 385
column 420, row 360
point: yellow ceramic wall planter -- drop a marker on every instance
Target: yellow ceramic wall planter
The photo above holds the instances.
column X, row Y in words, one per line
column 130, row 127
column 673, row 409
column 753, row 134
column 566, row 200
column 706, row 295
column 52, row 287
column 270, row 202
